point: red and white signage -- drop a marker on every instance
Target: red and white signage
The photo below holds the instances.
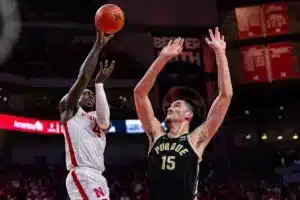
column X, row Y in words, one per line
column 275, row 18
column 255, row 64
column 249, row 21
column 282, row 61
column 9, row 122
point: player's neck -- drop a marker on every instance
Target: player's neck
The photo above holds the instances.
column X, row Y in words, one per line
column 177, row 129
column 87, row 109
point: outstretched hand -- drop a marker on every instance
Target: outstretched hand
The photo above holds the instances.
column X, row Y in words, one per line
column 102, row 40
column 216, row 41
column 173, row 48
column 105, row 71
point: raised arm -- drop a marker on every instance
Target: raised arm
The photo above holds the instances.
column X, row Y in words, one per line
column 102, row 107
column 203, row 134
column 85, row 73
column 143, row 105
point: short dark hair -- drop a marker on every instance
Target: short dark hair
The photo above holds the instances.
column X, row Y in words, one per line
column 192, row 107
column 196, row 120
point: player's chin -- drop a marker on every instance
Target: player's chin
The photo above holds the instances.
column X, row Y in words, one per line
column 168, row 119
column 90, row 106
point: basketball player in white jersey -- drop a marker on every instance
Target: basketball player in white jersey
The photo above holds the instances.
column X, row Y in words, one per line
column 84, row 129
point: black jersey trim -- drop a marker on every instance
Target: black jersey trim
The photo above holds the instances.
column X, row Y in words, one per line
column 194, row 149
column 153, row 143
column 196, row 182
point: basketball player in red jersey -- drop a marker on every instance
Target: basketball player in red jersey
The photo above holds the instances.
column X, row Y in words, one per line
column 84, row 129
column 173, row 159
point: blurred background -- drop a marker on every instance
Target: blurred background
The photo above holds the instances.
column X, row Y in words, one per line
column 255, row 154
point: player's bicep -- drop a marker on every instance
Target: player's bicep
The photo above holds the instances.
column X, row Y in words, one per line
column 145, row 113
column 216, row 115
column 76, row 91
column 62, row 105
column 204, row 133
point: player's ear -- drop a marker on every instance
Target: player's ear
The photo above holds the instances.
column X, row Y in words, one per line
column 188, row 116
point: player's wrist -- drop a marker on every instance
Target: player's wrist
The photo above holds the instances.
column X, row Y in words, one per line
column 220, row 51
column 164, row 58
column 99, row 85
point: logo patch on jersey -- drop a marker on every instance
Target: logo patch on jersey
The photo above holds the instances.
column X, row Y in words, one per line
column 182, row 138
column 167, row 146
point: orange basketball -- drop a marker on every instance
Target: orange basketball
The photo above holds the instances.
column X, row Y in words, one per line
column 109, row 18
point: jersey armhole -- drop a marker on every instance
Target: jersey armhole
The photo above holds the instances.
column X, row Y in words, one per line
column 194, row 149
column 153, row 143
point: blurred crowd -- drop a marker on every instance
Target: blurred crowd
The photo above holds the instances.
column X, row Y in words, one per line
column 128, row 183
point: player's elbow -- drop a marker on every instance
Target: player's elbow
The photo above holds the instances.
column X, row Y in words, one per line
column 226, row 94
column 83, row 76
column 139, row 92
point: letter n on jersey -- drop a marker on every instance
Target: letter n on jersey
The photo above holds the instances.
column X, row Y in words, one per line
column 99, row 192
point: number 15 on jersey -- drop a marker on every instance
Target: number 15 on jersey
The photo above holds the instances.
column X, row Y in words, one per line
column 168, row 162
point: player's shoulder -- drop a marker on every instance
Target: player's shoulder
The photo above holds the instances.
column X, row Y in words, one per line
column 157, row 140
column 62, row 104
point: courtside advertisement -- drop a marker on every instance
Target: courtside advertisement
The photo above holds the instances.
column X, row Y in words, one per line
column 54, row 127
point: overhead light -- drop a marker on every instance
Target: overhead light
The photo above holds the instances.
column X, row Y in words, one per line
column 264, row 136
column 279, row 117
column 295, row 136
column 281, row 108
column 280, row 137
column 247, row 112
column 248, row 136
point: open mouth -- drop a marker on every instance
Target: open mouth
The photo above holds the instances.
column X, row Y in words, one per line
column 90, row 101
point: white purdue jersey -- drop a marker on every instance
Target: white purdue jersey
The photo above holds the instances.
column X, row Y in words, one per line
column 84, row 141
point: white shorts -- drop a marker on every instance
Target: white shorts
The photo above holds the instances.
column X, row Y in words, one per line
column 87, row 184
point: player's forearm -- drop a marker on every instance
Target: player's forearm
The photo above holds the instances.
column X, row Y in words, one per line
column 88, row 67
column 147, row 82
column 102, row 108
column 224, row 80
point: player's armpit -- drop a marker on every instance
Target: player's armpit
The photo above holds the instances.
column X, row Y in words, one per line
column 204, row 133
column 145, row 112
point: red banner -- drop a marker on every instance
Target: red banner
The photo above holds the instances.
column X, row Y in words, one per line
column 276, row 18
column 249, row 20
column 9, row 122
column 255, row 64
column 282, row 61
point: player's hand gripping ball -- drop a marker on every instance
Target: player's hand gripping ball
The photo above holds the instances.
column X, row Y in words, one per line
column 109, row 19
